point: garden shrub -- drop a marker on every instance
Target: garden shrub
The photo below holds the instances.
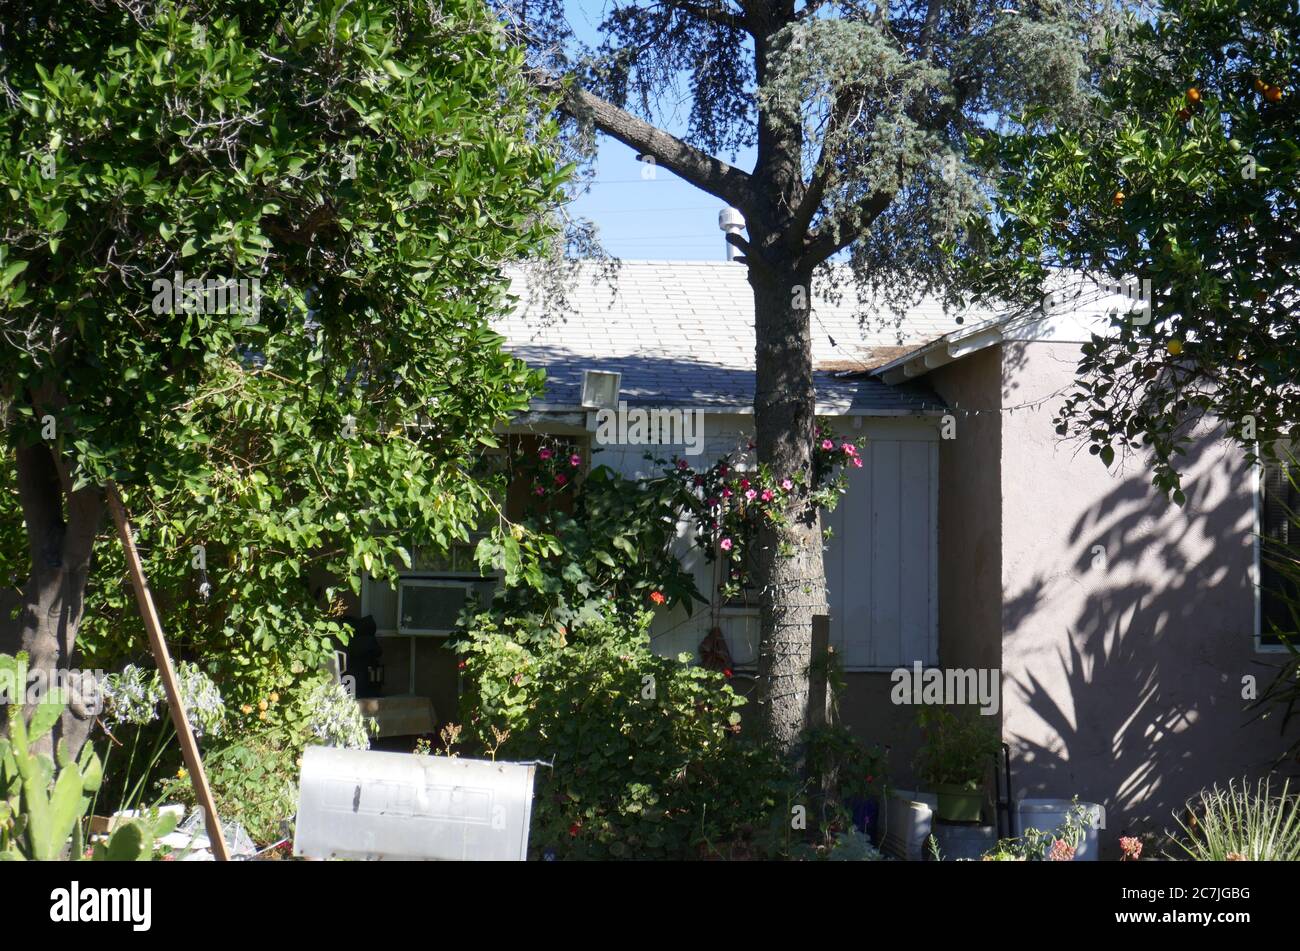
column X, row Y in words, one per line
column 254, row 769
column 648, row 757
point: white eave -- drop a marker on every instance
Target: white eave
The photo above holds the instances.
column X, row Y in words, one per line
column 944, row 350
column 1078, row 325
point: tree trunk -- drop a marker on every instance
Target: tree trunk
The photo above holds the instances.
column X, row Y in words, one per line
column 791, row 575
column 53, row 597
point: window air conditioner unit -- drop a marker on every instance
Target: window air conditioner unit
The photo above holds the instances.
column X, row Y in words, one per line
column 430, row 607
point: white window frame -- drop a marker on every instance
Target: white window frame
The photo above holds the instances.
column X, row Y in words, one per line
column 411, row 581
column 1256, row 569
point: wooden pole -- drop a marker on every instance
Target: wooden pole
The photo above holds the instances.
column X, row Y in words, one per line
column 189, row 748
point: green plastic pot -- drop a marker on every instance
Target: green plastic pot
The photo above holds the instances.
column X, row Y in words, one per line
column 958, row 803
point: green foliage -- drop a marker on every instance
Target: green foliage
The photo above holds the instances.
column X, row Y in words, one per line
column 1037, row 845
column 1183, row 173
column 370, row 164
column 1242, row 824
column 584, row 542
column 958, row 746
column 43, row 805
column 647, row 760
column 730, row 506
column 588, row 542
column 133, row 841
column 254, row 771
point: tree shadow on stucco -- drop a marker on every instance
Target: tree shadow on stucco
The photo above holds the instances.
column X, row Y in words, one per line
column 1152, row 708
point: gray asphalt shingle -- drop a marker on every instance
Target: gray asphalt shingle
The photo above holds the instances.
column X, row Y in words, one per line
column 682, row 334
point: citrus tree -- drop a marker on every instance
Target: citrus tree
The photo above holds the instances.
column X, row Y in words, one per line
column 248, row 255
column 1178, row 183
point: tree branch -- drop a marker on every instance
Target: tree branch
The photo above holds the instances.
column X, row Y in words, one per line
column 711, row 12
column 702, row 170
column 824, row 242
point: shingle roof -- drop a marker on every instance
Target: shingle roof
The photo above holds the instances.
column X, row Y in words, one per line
column 682, row 333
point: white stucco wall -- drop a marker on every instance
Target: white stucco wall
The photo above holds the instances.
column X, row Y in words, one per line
column 1128, row 622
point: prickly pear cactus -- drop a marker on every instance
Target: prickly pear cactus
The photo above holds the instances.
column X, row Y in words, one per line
column 43, row 804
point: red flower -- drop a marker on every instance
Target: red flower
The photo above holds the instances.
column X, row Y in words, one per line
column 726, row 672
column 575, row 829
column 460, row 665
column 657, row 597
column 561, row 478
column 544, row 454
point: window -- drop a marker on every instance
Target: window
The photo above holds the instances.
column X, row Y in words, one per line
column 430, row 607
column 1279, row 531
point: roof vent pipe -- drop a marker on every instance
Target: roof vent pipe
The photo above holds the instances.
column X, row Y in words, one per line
column 732, row 222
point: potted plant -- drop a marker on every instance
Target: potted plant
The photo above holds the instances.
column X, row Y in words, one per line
column 954, row 760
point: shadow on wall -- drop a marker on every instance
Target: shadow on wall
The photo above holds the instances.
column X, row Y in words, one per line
column 1140, row 705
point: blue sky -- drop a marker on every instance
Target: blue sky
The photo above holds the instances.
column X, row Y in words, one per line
column 658, row 217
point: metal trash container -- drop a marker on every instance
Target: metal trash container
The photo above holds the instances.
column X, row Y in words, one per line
column 362, row 804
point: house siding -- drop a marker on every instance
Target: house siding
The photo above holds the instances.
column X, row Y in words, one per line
column 1128, row 622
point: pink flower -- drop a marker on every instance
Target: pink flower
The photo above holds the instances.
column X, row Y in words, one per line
column 561, row 478
column 828, row 444
column 727, row 493
column 857, row 462
column 768, row 495
column 725, row 544
column 750, row 494
column 744, row 483
column 849, row 449
column 545, row 454
column 1131, row 846
column 681, row 463
column 539, row 491
column 711, row 503
column 1061, row 851
column 575, row 460
column 787, row 484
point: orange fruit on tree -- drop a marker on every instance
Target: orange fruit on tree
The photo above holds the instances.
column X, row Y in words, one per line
column 1273, row 94
column 1175, row 347
column 1118, row 199
column 1193, row 95
column 1260, row 85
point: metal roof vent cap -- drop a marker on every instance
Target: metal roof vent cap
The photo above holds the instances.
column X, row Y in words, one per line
column 731, row 221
